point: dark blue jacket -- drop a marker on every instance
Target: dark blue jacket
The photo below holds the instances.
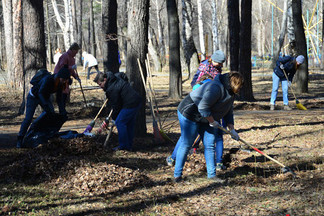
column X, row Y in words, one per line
column 120, row 94
column 43, row 91
column 290, row 67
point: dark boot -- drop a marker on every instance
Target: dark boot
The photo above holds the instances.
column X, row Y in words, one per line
column 19, row 141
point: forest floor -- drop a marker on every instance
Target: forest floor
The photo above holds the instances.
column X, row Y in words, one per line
column 81, row 177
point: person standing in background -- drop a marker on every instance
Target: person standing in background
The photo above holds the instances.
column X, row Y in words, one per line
column 58, row 53
column 68, row 58
column 90, row 61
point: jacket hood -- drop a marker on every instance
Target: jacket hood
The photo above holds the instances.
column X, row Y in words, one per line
column 110, row 79
column 225, row 80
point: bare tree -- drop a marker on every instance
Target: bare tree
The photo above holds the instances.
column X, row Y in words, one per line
column 65, row 26
column 8, row 25
column 92, row 31
column 138, row 19
column 189, row 48
column 109, row 30
column 79, row 27
column 201, row 32
column 234, row 33
column 246, row 92
column 175, row 78
column 215, row 27
column 301, row 48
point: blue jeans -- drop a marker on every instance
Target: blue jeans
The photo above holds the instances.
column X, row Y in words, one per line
column 189, row 132
column 125, row 123
column 219, row 146
column 275, row 86
column 31, row 105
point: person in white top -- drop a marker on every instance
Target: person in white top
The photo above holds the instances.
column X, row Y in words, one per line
column 90, row 61
column 58, row 53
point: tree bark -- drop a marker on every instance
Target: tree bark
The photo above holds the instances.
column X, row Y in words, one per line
column 175, row 78
column 214, row 26
column 34, row 41
column 92, row 31
column 234, row 33
column 18, row 53
column 301, row 76
column 109, row 31
column 8, row 29
column 246, row 92
column 138, row 19
column 201, row 32
column 79, row 35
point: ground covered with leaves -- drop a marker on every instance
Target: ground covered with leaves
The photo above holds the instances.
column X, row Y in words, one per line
column 81, row 177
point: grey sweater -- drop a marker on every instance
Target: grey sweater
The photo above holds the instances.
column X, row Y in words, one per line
column 213, row 98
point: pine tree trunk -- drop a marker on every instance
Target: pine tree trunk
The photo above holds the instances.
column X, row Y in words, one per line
column 175, row 78
column 138, row 19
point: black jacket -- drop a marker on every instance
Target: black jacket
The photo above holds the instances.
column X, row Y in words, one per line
column 120, row 94
column 290, row 67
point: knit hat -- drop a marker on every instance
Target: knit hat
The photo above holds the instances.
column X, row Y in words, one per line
column 218, row 56
column 64, row 73
column 300, row 59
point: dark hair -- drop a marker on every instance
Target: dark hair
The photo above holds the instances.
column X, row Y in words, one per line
column 74, row 46
column 100, row 77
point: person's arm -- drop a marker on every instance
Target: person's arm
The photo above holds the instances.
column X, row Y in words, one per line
column 44, row 89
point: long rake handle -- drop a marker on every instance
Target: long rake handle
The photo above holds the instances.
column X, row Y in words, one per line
column 248, row 144
column 101, row 110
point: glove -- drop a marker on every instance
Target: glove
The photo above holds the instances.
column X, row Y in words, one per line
column 289, row 83
column 234, row 135
column 78, row 79
column 214, row 124
column 113, row 122
column 74, row 67
column 282, row 67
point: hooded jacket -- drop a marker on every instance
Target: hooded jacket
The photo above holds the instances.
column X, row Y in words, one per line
column 214, row 98
column 120, row 94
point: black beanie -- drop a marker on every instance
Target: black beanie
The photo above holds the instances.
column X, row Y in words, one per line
column 64, row 73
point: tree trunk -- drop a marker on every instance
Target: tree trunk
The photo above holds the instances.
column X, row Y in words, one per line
column 160, row 33
column 109, row 31
column 215, row 27
column 34, row 41
column 189, row 48
column 8, row 25
column 301, row 76
column 153, row 48
column 246, row 92
column 234, row 33
column 49, row 44
column 138, row 19
column 201, row 32
column 175, row 78
column 18, row 53
column 282, row 35
column 92, row 31
column 322, row 58
column 79, row 36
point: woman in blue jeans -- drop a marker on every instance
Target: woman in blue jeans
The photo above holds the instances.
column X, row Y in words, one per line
column 288, row 65
column 200, row 112
column 125, row 102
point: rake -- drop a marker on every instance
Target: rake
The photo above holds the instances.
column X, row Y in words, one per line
column 284, row 168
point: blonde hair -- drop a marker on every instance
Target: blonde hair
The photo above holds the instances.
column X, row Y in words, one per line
column 236, row 81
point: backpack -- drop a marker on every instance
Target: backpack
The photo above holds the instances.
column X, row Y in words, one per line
column 40, row 74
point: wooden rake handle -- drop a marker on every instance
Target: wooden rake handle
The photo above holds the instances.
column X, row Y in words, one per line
column 101, row 110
